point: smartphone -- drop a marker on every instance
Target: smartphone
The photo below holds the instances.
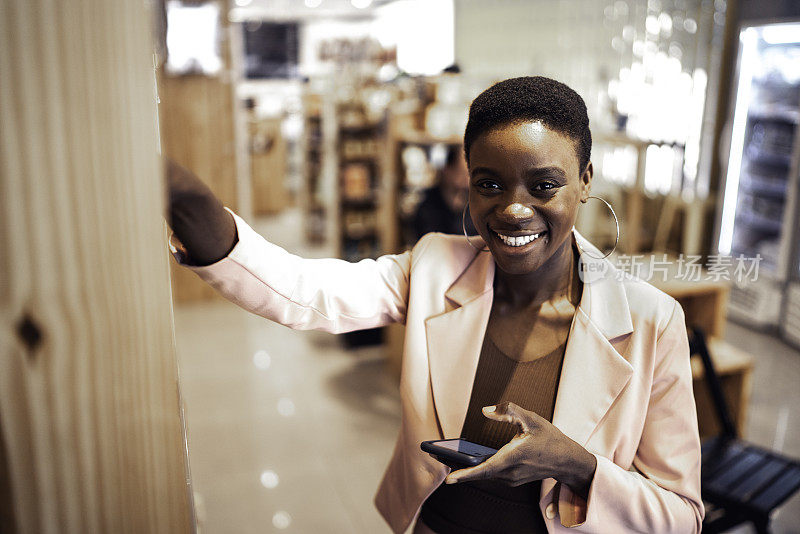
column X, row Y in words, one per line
column 457, row 452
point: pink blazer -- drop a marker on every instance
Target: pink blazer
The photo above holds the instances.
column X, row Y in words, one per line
column 625, row 391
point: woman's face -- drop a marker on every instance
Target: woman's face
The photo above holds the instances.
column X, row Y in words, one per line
column 525, row 181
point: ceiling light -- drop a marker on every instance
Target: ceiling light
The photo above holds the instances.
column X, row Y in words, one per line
column 361, row 4
column 781, row 34
column 262, row 360
column 286, row 407
column 281, row 520
column 269, row 479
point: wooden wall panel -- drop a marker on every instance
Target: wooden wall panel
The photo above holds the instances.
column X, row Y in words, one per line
column 90, row 419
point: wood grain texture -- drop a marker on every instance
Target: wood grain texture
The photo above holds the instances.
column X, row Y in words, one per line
column 93, row 438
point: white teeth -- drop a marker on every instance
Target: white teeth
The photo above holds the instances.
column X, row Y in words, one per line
column 517, row 241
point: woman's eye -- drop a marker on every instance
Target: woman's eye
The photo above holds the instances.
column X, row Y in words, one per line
column 545, row 186
column 488, row 184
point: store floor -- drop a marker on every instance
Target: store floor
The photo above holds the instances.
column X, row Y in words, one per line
column 288, row 431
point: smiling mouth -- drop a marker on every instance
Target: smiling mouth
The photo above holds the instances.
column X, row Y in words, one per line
column 520, row 240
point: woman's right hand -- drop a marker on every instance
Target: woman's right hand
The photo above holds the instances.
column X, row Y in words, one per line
column 197, row 217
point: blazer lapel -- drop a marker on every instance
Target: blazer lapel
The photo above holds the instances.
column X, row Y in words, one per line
column 594, row 372
column 592, row 376
column 454, row 341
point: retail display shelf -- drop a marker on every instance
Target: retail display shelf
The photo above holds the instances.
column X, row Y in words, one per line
column 357, row 203
column 355, row 235
column 764, row 185
column 424, row 138
column 766, row 157
column 774, row 113
column 790, row 327
column 359, row 162
column 360, row 128
column 360, row 159
column 315, row 205
column 759, row 222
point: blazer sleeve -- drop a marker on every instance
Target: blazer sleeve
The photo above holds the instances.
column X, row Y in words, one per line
column 323, row 294
column 663, row 493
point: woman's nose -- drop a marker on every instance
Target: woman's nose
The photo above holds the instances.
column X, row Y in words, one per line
column 517, row 211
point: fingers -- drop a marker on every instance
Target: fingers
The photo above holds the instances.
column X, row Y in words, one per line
column 508, row 412
column 496, row 466
column 480, row 472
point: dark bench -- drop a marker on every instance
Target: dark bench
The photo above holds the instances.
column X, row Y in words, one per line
column 741, row 482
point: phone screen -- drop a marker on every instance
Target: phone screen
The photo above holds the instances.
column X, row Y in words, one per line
column 466, row 447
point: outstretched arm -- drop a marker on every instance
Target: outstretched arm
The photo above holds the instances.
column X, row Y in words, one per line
column 324, row 294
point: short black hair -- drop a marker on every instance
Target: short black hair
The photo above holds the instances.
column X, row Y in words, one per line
column 531, row 98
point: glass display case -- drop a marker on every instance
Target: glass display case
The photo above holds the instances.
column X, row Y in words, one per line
column 759, row 196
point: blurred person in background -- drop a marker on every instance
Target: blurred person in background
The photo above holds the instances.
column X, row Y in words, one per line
column 582, row 382
column 442, row 206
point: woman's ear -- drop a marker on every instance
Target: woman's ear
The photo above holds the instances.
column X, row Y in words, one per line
column 586, row 181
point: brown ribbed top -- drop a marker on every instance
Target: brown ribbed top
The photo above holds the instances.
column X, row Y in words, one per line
column 491, row 506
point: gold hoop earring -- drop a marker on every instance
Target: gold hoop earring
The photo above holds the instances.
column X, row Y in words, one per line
column 464, row 229
column 616, row 222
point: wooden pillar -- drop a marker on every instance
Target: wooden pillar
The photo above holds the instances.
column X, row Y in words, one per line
column 90, row 410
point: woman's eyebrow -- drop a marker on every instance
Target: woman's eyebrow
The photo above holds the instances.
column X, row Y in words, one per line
column 549, row 171
column 484, row 170
column 532, row 173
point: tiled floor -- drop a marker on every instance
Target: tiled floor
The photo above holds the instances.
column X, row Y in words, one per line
column 284, row 427
column 288, row 431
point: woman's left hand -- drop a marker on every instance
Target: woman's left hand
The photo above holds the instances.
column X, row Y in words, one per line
column 538, row 451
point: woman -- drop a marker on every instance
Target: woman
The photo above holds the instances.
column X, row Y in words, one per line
column 582, row 382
